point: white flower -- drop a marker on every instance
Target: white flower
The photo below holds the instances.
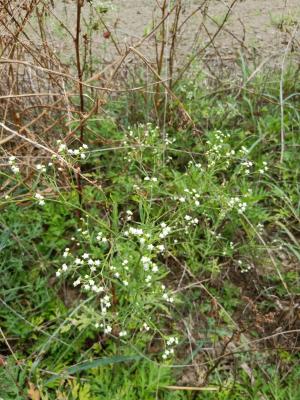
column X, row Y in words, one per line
column 85, row 256
column 77, row 282
column 146, row 327
column 168, row 298
column 62, row 147
column 58, row 273
column 122, row 333
column 165, row 232
column 64, row 267
column 136, row 231
column 40, row 167
column 40, row 199
column 108, row 329
column 15, row 169
column 154, row 268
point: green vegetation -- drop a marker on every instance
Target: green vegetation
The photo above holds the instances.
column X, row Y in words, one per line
column 180, row 265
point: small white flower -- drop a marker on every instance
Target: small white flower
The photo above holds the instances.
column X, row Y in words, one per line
column 146, row 327
column 108, row 329
column 64, row 267
column 15, row 169
column 77, row 282
column 40, row 167
column 155, row 268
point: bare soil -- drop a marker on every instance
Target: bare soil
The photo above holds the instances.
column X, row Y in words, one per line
column 257, row 29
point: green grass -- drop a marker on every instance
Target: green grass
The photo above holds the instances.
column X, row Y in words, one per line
column 226, row 212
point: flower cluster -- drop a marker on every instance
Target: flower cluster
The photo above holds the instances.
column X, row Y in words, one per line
column 190, row 221
column 219, row 150
column 101, row 238
column 246, row 166
column 12, row 162
column 238, row 204
column 40, row 199
column 81, row 152
column 166, row 230
column 89, row 281
column 41, row 168
column 264, row 167
column 148, row 179
column 169, row 351
column 244, row 268
column 192, row 195
column 131, row 276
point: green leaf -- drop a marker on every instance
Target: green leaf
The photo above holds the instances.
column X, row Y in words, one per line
column 98, row 362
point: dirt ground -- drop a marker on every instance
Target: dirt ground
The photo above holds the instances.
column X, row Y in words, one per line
column 255, row 27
